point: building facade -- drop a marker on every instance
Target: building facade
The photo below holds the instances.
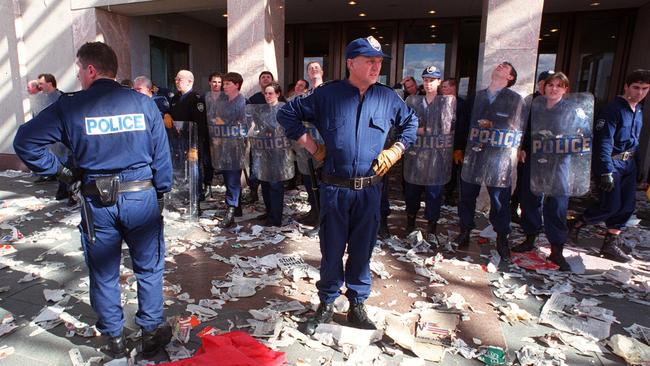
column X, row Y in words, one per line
column 594, row 42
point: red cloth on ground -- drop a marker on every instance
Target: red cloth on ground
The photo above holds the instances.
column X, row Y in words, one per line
column 232, row 349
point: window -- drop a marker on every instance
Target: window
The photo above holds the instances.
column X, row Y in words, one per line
column 167, row 57
column 426, row 43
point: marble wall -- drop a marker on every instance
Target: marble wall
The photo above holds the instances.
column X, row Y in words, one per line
column 510, row 32
column 256, row 40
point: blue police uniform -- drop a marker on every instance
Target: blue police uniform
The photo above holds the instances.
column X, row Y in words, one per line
column 616, row 140
column 111, row 130
column 354, row 130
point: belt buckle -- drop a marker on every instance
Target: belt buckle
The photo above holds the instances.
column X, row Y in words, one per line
column 357, row 183
column 626, row 155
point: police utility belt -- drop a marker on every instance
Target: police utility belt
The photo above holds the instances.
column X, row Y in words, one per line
column 353, row 183
column 107, row 188
column 625, row 155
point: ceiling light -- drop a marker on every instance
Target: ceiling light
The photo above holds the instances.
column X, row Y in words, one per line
column 381, row 37
column 554, row 30
column 546, row 35
column 362, row 14
column 225, row 15
column 594, row 4
column 352, row 2
column 373, row 28
column 432, row 11
column 432, row 26
column 612, row 37
column 433, row 36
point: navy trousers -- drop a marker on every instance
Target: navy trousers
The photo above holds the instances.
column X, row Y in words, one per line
column 134, row 219
column 499, row 206
column 273, row 196
column 232, row 179
column 616, row 207
column 349, row 220
column 432, row 199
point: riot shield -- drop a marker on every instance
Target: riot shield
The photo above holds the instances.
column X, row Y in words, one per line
column 271, row 153
column 302, row 155
column 496, row 131
column 227, row 128
column 561, row 139
column 429, row 160
column 185, row 164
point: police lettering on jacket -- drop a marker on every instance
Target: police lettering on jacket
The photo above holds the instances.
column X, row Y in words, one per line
column 115, row 124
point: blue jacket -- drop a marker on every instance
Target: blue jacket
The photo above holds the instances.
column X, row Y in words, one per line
column 616, row 130
column 354, row 129
column 110, row 129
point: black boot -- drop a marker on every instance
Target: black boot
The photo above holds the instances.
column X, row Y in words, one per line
column 410, row 223
column 238, row 211
column 462, row 239
column 358, row 317
column 502, row 247
column 384, row 233
column 324, row 314
column 117, row 346
column 229, row 218
column 432, row 231
column 557, row 257
column 310, row 219
column 527, row 245
column 575, row 224
column 612, row 249
column 154, row 341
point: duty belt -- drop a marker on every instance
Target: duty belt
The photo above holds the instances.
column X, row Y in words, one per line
column 625, row 155
column 90, row 189
column 353, row 183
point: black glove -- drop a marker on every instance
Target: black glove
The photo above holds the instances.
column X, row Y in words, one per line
column 68, row 176
column 161, row 201
column 606, row 182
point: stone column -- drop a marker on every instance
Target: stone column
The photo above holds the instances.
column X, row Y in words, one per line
column 92, row 25
column 510, row 32
column 255, row 40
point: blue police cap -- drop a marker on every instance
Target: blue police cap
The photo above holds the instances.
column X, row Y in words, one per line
column 544, row 75
column 432, row 72
column 368, row 47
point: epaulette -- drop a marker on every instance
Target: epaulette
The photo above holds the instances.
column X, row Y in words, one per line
column 329, row 82
column 70, row 94
column 384, row 85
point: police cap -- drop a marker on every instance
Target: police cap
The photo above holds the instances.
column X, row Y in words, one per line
column 432, row 72
column 368, row 47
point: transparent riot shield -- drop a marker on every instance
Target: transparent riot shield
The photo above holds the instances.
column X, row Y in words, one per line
column 302, row 155
column 183, row 140
column 271, row 153
column 496, row 131
column 429, row 160
column 561, row 139
column 227, row 128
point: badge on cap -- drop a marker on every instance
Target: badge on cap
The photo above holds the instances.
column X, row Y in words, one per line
column 374, row 43
column 431, row 69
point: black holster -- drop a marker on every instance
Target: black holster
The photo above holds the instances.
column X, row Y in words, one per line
column 108, row 188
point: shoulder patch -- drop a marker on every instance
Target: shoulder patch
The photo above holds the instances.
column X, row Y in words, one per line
column 200, row 106
column 600, row 124
column 329, row 82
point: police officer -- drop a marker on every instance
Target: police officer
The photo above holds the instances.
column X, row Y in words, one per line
column 188, row 105
column 491, row 154
column 426, row 106
column 554, row 174
column 353, row 116
column 118, row 140
column 616, row 141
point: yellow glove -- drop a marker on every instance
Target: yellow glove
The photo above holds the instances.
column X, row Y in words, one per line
column 320, row 152
column 219, row 122
column 169, row 121
column 647, row 193
column 458, row 157
column 387, row 158
column 193, row 154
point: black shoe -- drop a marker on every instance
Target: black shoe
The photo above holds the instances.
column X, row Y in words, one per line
column 432, row 231
column 229, row 218
column 383, row 233
column 262, row 217
column 72, row 201
column 462, row 239
column 358, row 317
column 269, row 223
column 557, row 258
column 514, row 217
column 154, row 341
column 502, row 247
column 612, row 249
column 575, row 224
column 310, row 219
column 251, row 198
column 324, row 314
column 527, row 245
column 410, row 224
column 238, row 212
column 117, row 346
